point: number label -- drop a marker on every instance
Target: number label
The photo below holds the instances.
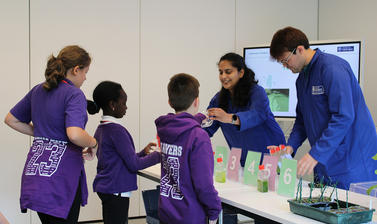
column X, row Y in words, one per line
column 288, row 176
column 251, row 164
column 49, row 166
column 233, row 162
column 268, row 168
column 170, row 181
column 287, row 180
column 251, row 167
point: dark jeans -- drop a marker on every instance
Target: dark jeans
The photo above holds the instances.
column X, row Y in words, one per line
column 114, row 208
column 73, row 215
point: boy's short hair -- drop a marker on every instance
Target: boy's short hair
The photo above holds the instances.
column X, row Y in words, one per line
column 183, row 89
column 287, row 39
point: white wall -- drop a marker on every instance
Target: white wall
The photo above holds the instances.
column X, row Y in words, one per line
column 139, row 43
column 181, row 36
column 258, row 20
column 347, row 19
column 14, row 63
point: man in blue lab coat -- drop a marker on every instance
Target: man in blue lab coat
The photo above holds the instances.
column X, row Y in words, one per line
column 331, row 113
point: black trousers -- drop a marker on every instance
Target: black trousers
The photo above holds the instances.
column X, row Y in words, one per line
column 114, row 208
column 73, row 215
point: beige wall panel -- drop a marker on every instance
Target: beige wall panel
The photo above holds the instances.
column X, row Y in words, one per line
column 14, row 60
column 347, row 19
column 109, row 31
column 181, row 36
column 258, row 20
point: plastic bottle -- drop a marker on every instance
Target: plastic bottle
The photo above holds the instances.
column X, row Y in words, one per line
column 220, row 171
column 158, row 141
column 262, row 179
column 206, row 122
column 283, row 154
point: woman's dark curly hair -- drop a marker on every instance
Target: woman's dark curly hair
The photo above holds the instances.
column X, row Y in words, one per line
column 241, row 94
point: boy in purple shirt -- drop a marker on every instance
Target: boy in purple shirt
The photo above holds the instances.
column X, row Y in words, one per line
column 54, row 113
column 187, row 194
column 117, row 160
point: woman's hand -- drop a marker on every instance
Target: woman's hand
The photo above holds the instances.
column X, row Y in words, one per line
column 219, row 115
column 272, row 149
column 149, row 148
column 287, row 149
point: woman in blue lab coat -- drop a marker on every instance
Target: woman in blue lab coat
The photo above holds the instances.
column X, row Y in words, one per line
column 241, row 109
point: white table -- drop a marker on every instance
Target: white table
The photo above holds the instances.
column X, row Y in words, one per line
column 269, row 205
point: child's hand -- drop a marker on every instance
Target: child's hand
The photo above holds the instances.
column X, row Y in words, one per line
column 212, row 221
column 89, row 153
column 149, row 148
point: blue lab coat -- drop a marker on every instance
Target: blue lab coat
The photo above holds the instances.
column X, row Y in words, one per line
column 332, row 114
column 258, row 127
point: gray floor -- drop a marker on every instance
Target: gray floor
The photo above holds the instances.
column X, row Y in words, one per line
column 142, row 221
column 137, row 221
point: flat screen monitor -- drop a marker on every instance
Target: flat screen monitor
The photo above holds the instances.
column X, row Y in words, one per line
column 280, row 83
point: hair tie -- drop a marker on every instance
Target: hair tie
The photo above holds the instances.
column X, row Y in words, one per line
column 96, row 105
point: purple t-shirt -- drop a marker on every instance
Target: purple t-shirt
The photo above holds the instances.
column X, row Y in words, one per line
column 117, row 161
column 54, row 166
column 187, row 194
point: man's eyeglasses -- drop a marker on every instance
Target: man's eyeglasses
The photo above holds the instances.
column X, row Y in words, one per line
column 285, row 61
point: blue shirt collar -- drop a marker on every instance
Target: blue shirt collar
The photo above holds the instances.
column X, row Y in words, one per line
column 307, row 68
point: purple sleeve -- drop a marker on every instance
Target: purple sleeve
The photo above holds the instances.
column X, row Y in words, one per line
column 141, row 153
column 125, row 148
column 201, row 163
column 75, row 110
column 22, row 110
column 199, row 117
